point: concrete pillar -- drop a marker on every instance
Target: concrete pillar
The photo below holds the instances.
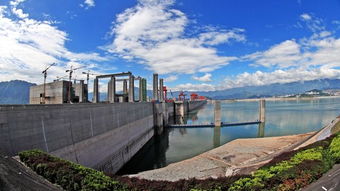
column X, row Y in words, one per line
column 109, row 91
column 140, row 94
column 125, row 91
column 262, row 110
column 217, row 136
column 155, row 86
column 131, row 88
column 161, row 96
column 260, row 130
column 95, row 91
column 145, row 90
column 113, row 89
column 217, row 113
column 82, row 92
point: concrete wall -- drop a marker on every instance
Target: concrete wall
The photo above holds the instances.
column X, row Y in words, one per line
column 56, row 93
column 103, row 136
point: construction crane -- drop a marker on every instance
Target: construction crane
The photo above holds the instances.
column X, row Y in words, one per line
column 45, row 76
column 88, row 76
column 63, row 77
column 71, row 70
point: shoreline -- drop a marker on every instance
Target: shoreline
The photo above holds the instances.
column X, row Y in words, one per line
column 240, row 156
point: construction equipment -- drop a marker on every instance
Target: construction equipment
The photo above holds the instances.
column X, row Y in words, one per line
column 71, row 70
column 88, row 76
column 45, row 76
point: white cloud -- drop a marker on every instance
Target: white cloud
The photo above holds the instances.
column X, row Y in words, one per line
column 205, row 78
column 306, row 16
column 152, row 33
column 27, row 46
column 88, row 3
column 171, row 78
column 194, row 87
column 280, row 76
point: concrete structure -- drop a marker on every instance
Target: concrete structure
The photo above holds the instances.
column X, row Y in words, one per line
column 155, row 87
column 262, row 110
column 161, row 93
column 80, row 90
column 217, row 113
column 56, row 93
column 102, row 136
column 131, row 88
column 95, row 98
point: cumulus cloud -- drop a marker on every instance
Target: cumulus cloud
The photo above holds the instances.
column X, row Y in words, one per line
column 88, row 3
column 205, row 78
column 194, row 87
column 152, row 33
column 27, row 46
column 171, row 78
column 315, row 57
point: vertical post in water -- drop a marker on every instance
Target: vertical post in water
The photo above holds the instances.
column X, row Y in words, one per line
column 155, row 87
column 217, row 136
column 95, row 91
column 217, row 114
column 262, row 110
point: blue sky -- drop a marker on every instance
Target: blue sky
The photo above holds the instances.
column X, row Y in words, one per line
column 193, row 44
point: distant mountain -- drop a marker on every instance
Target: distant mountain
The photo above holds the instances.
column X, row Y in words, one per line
column 15, row 92
column 271, row 90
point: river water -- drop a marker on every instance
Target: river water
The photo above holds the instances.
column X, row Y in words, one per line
column 282, row 118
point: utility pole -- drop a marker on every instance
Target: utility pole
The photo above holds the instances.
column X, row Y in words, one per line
column 45, row 76
column 69, row 79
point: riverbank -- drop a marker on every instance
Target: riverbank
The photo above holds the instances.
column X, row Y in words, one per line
column 240, row 156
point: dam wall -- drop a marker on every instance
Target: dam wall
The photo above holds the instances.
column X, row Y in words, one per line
column 103, row 136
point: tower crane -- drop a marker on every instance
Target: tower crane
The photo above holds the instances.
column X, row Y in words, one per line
column 70, row 71
column 45, row 76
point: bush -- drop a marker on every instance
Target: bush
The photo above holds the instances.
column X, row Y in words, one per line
column 68, row 175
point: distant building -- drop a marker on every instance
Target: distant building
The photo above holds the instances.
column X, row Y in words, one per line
column 57, row 92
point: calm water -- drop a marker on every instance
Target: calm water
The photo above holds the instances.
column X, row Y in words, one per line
column 282, row 118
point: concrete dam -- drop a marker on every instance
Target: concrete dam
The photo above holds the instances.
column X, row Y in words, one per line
column 103, row 136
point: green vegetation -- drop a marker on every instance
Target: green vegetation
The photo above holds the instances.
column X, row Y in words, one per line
column 68, row 175
column 288, row 171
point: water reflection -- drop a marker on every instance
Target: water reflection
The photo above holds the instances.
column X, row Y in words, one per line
column 282, row 118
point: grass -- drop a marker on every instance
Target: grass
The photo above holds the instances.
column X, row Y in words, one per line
column 289, row 171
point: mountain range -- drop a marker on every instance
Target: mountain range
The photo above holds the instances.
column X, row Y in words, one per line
column 17, row 92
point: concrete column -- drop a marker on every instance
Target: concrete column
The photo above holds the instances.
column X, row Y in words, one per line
column 217, row 136
column 140, row 94
column 113, row 89
column 145, row 91
column 95, row 91
column 125, row 91
column 161, row 96
column 109, row 91
column 262, row 110
column 217, row 114
column 260, row 130
column 155, row 86
column 131, row 88
column 82, row 92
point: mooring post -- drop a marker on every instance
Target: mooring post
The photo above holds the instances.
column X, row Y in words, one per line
column 217, row 113
column 262, row 110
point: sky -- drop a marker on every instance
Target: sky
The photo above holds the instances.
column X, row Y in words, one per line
column 195, row 45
